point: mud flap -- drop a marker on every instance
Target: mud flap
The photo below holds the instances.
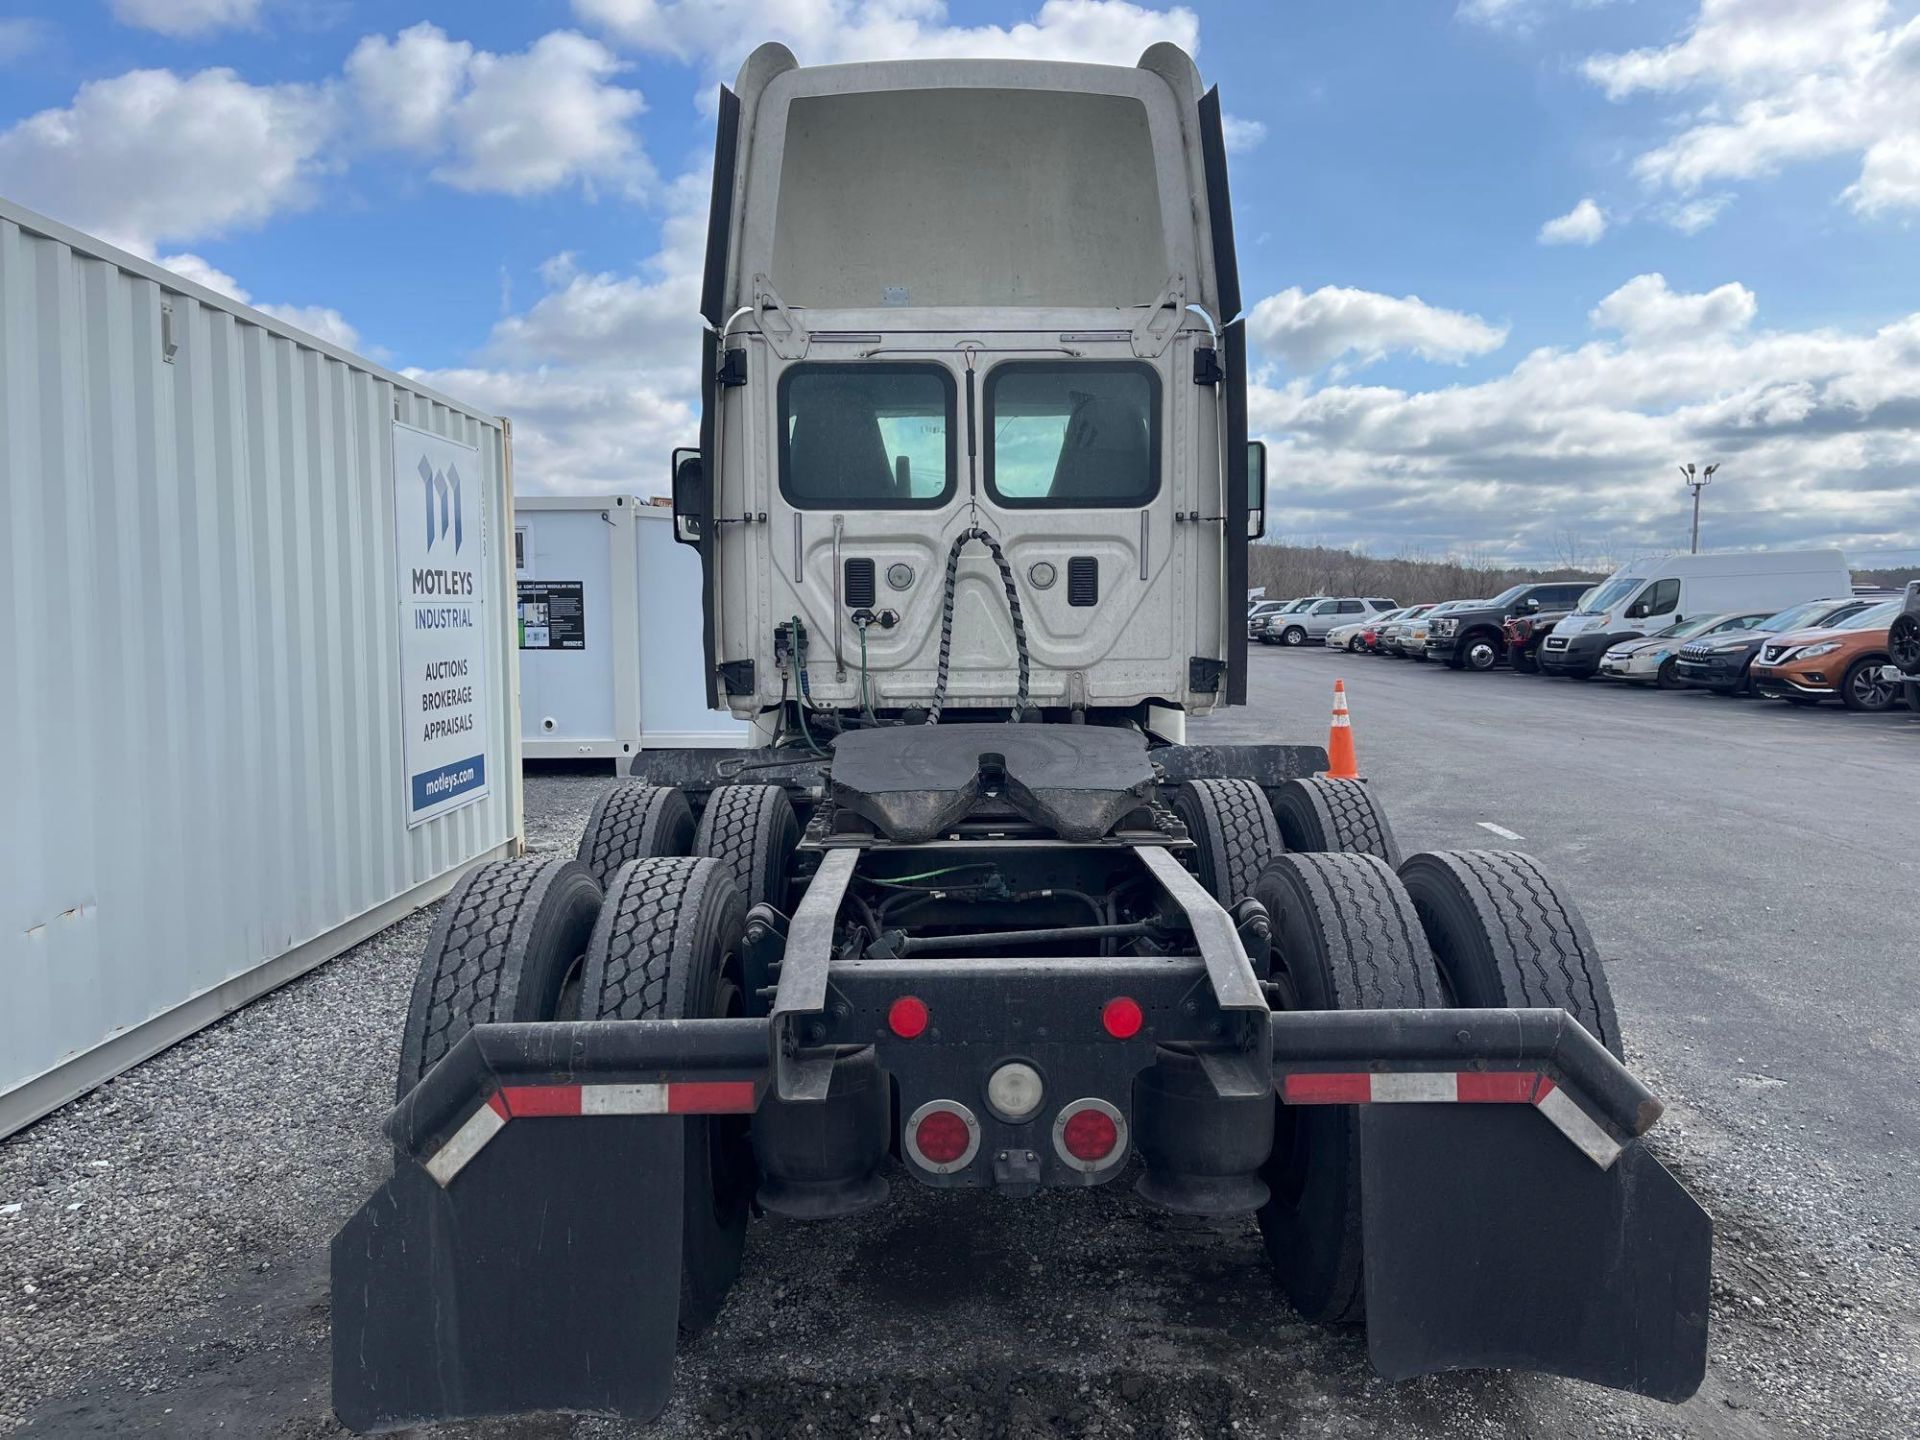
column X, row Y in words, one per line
column 1491, row 1242
column 545, row 1276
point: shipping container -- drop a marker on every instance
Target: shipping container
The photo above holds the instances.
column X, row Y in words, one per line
column 259, row 677
column 611, row 654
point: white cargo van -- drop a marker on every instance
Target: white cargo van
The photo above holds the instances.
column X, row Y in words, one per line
column 1650, row 595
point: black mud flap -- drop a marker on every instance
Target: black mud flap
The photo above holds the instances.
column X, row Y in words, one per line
column 544, row 1276
column 1494, row 1243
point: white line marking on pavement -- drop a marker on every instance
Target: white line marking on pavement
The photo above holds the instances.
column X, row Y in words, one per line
column 1500, row 830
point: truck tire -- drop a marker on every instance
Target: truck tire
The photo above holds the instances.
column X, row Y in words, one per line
column 667, row 947
column 753, row 829
column 1480, row 652
column 1320, row 816
column 1234, row 834
column 1505, row 934
column 1863, row 689
column 502, row 948
column 1293, row 635
column 635, row 821
column 1346, row 937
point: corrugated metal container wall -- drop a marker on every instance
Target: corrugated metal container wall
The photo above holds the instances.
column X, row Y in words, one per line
column 201, row 710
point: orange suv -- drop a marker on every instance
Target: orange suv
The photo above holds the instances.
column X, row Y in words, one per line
column 1808, row 666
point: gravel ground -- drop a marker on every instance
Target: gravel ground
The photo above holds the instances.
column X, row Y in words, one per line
column 164, row 1270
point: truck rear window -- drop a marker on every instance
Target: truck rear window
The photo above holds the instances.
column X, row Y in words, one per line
column 1067, row 433
column 875, row 436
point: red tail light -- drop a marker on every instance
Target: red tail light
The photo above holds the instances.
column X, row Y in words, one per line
column 907, row 1017
column 1090, row 1134
column 942, row 1136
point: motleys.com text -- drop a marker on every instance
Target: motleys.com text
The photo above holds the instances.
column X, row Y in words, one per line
column 452, row 780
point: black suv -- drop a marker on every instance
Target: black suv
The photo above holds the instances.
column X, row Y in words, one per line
column 1471, row 639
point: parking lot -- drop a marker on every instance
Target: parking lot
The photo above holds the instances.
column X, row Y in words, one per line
column 1752, row 871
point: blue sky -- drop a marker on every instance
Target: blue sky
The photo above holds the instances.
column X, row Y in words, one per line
column 511, row 197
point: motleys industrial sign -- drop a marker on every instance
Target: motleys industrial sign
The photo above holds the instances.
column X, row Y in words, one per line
column 440, row 549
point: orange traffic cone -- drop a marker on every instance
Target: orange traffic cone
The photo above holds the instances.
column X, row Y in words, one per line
column 1342, row 764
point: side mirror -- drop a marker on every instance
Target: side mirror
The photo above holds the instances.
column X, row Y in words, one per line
column 689, row 497
column 1256, row 489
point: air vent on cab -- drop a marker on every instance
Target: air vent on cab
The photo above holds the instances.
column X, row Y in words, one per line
column 1083, row 580
column 857, row 582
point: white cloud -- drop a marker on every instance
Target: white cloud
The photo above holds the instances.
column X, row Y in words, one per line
column 1784, row 81
column 1821, row 429
column 20, row 38
column 1308, row 331
column 186, row 17
column 1646, row 309
column 1242, row 135
column 1582, row 225
column 1518, row 17
column 1690, row 217
column 821, row 32
column 150, row 156
column 321, row 320
column 519, row 124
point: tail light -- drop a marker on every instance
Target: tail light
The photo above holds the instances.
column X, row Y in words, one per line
column 942, row 1136
column 1090, row 1135
column 907, row 1017
column 1122, row 1017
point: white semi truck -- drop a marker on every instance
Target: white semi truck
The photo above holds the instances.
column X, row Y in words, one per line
column 973, row 498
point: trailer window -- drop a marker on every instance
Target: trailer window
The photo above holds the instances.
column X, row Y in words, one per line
column 873, row 436
column 1073, row 433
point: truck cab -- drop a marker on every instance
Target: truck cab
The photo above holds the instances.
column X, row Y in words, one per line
column 973, row 437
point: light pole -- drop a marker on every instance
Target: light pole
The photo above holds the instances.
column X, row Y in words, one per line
column 1699, row 482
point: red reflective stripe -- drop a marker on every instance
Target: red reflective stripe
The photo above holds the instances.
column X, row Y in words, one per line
column 1544, row 1089
column 711, row 1097
column 497, row 1103
column 525, row 1100
column 1500, row 1087
column 1328, row 1089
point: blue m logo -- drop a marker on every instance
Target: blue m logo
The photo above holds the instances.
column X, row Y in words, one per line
column 443, row 504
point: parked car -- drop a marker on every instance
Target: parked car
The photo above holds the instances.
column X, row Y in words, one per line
column 1650, row 595
column 1723, row 663
column 1391, row 638
column 1469, row 637
column 1652, row 661
column 1262, row 611
column 1523, row 634
column 1269, row 634
column 1358, row 635
column 1313, row 623
column 1844, row 660
column 1416, row 641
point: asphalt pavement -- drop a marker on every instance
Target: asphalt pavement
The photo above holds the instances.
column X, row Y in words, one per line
column 1752, row 872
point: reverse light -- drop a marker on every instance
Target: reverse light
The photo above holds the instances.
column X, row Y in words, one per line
column 1015, row 1092
column 942, row 1136
column 1089, row 1134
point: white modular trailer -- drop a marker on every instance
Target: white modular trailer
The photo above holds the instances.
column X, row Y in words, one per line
column 258, row 694
column 611, row 652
